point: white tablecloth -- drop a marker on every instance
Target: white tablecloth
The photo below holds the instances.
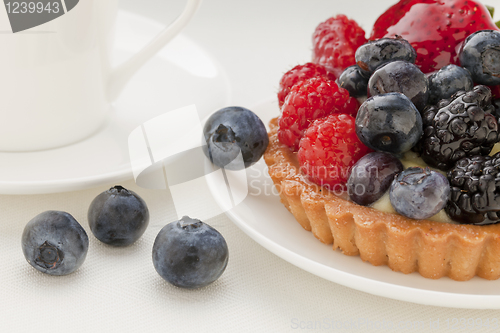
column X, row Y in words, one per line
column 118, row 290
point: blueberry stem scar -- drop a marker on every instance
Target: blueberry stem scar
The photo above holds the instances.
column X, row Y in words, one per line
column 48, row 256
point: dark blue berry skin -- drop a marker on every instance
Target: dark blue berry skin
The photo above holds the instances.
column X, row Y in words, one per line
column 230, row 130
column 55, row 243
column 371, row 55
column 419, row 193
column 372, row 176
column 480, row 55
column 118, row 216
column 189, row 253
column 403, row 77
column 447, row 81
column 389, row 123
column 496, row 106
column 354, row 81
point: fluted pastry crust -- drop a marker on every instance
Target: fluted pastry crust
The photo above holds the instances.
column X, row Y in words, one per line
column 434, row 249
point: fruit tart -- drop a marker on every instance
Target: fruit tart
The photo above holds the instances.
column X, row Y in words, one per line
column 388, row 148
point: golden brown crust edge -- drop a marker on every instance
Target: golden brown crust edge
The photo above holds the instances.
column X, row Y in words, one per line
column 433, row 249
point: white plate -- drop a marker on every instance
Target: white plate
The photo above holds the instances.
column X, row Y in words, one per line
column 181, row 74
column 262, row 216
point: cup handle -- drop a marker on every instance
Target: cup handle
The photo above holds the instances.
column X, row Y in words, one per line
column 124, row 72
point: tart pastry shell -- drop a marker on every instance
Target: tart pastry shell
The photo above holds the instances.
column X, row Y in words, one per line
column 434, row 249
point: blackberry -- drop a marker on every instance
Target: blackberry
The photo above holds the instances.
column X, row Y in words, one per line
column 461, row 126
column 475, row 190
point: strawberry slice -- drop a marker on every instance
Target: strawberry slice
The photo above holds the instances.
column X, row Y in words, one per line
column 435, row 28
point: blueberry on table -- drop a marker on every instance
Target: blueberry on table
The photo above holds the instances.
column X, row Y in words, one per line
column 389, row 122
column 231, row 130
column 354, row 81
column 55, row 243
column 401, row 76
column 419, row 193
column 118, row 216
column 480, row 55
column 372, row 176
column 374, row 53
column 447, row 81
column 189, row 253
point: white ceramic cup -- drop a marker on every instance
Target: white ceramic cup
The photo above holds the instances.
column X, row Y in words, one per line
column 56, row 80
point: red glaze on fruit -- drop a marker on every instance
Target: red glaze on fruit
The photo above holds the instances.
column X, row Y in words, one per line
column 329, row 149
column 495, row 92
column 335, row 42
column 435, row 28
column 309, row 100
column 300, row 73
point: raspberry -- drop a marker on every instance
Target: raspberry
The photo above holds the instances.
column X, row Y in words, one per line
column 329, row 149
column 300, row 73
column 309, row 100
column 351, row 106
column 335, row 42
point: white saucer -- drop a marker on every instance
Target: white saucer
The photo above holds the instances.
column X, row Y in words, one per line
column 262, row 217
column 181, row 74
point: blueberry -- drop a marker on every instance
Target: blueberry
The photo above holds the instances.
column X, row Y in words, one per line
column 419, row 193
column 389, row 123
column 189, row 253
column 480, row 54
column 372, row 176
column 55, row 243
column 401, row 76
column 354, row 81
column 118, row 216
column 447, row 81
column 496, row 108
column 371, row 55
column 231, row 130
